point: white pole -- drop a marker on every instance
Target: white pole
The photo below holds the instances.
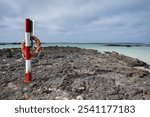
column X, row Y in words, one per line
column 33, row 26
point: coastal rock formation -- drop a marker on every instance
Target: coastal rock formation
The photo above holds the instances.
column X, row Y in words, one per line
column 132, row 62
column 73, row 73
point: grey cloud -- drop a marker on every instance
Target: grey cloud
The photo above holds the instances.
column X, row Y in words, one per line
column 69, row 18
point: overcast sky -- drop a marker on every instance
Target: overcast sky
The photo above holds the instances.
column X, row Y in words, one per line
column 77, row 20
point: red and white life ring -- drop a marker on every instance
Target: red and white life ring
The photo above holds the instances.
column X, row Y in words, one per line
column 34, row 53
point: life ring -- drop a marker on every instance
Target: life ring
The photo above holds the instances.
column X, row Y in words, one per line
column 34, row 53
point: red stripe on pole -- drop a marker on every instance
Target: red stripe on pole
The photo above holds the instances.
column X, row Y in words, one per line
column 28, row 25
column 28, row 56
column 28, row 77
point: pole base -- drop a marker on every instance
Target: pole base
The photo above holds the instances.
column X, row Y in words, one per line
column 28, row 77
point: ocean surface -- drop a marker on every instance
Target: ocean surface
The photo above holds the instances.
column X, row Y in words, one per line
column 140, row 52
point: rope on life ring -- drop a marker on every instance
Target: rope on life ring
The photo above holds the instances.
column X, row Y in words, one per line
column 34, row 53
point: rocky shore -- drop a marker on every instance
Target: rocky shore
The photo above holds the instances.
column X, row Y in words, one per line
column 61, row 73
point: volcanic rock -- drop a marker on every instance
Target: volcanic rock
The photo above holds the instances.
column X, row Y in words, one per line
column 73, row 73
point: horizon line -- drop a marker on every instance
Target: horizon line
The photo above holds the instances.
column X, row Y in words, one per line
column 81, row 42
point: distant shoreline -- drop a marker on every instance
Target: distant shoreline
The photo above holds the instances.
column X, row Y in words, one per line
column 104, row 44
column 14, row 43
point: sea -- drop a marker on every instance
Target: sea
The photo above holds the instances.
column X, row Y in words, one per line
column 141, row 52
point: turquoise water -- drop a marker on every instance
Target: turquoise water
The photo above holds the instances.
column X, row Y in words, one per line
column 141, row 52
